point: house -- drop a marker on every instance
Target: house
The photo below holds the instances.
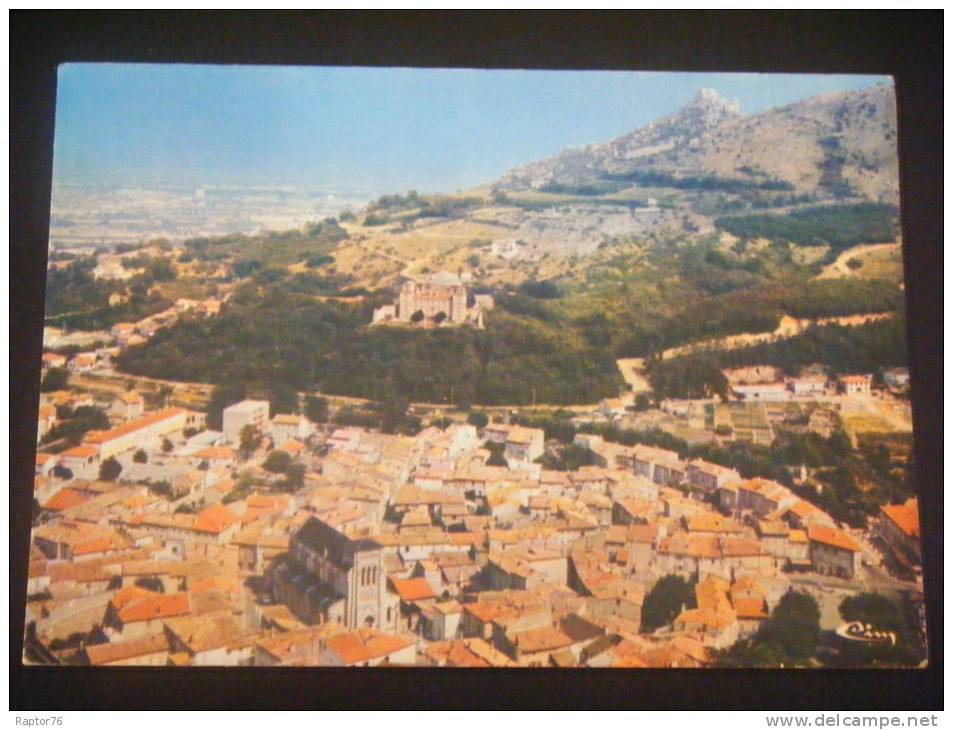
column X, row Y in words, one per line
column 45, row 463
column 53, row 360
column 505, row 248
column 855, row 384
column 46, row 421
column 82, row 362
column 213, row 640
column 897, row 377
column 833, row 552
column 441, row 621
column 709, row 477
column 246, row 413
column 74, row 540
column 761, row 392
column 148, row 651
column 301, row 648
column 122, row 331
column 143, row 433
column 472, row 653
column 714, row 622
column 523, row 444
column 82, row 461
column 612, row 408
column 898, row 525
column 213, row 457
column 368, row 647
column 525, row 569
column 559, row 644
column 288, row 427
column 128, row 406
column 65, row 499
column 808, row 385
column 633, row 511
column 134, row 613
column 218, row 522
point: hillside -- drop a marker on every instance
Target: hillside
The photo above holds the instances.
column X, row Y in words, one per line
column 688, row 230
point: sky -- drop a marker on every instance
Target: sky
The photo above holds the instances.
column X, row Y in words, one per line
column 388, row 130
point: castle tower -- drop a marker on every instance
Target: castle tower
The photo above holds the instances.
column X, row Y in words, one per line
column 458, row 304
column 406, row 304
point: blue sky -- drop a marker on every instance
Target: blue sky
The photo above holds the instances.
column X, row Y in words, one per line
column 383, row 129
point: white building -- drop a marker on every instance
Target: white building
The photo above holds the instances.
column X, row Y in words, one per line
column 769, row 392
column 246, row 413
column 855, row 384
column 808, row 386
column 286, row 426
column 897, row 377
column 143, row 433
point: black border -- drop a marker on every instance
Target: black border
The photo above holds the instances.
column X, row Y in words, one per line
column 907, row 45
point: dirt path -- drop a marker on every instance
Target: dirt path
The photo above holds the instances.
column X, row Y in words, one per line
column 788, row 327
column 839, row 268
column 632, row 369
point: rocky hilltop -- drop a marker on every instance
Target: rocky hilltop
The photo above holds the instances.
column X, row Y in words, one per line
column 839, row 145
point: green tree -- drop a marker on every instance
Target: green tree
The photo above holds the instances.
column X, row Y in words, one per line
column 294, row 477
column 668, row 597
column 162, row 488
column 316, row 409
column 750, row 654
column 140, row 457
column 794, row 626
column 75, row 424
column 278, row 461
column 249, row 440
column 164, row 392
column 873, row 608
column 496, row 454
column 478, row 419
column 283, row 398
column 394, row 418
column 167, row 445
column 110, row 470
column 150, row 583
column 55, row 379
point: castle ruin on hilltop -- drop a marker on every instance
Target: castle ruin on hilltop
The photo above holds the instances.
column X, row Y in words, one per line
column 434, row 305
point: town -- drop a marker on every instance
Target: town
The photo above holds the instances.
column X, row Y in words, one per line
column 643, row 403
column 278, row 540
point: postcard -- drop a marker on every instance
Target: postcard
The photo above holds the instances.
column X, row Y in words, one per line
column 474, row 368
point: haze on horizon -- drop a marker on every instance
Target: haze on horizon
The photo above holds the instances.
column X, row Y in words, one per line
column 373, row 129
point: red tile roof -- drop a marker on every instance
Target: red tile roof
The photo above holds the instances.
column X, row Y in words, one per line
column 65, row 499
column 366, row 644
column 101, row 654
column 906, row 516
column 158, row 606
column 214, row 519
column 833, row 537
column 413, row 589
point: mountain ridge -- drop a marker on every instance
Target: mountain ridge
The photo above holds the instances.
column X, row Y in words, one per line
column 840, row 144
